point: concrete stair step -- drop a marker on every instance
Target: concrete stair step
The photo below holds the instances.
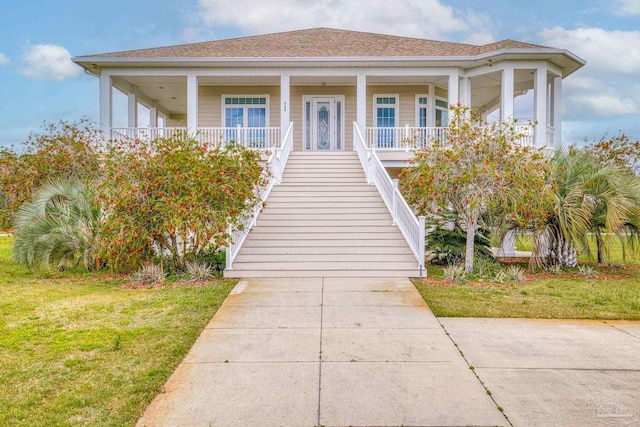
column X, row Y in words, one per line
column 317, row 189
column 322, row 273
column 287, row 219
column 312, row 228
column 291, row 258
column 358, row 238
column 340, row 243
column 326, row 250
column 334, row 205
column 324, row 198
column 325, row 265
column 289, row 209
column 322, row 180
column 322, row 223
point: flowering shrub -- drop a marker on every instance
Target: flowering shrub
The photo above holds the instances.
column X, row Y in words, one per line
column 481, row 171
column 173, row 197
column 64, row 150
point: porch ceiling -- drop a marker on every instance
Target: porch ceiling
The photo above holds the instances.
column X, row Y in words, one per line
column 170, row 92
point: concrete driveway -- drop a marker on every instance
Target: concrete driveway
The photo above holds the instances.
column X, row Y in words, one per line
column 556, row 372
column 332, row 352
column 368, row 352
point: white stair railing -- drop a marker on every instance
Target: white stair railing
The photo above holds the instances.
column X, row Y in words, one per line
column 411, row 227
column 275, row 166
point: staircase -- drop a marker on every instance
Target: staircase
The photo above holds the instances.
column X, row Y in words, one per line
column 324, row 221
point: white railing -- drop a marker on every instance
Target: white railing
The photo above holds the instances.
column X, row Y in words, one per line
column 411, row 227
column 404, row 138
column 551, row 133
column 527, row 134
column 262, row 138
column 274, row 168
column 146, row 134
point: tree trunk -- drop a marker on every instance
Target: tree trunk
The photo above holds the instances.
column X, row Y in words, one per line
column 564, row 254
column 469, row 250
column 600, row 247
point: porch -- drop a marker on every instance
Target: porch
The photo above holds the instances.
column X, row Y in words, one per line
column 399, row 110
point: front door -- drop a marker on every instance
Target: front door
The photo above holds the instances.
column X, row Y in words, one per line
column 323, row 123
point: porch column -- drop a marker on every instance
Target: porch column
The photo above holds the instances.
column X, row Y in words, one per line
column 153, row 114
column 192, row 103
column 465, row 91
column 361, row 103
column 106, row 101
column 454, row 90
column 557, row 111
column 132, row 107
column 431, row 106
column 506, row 100
column 540, row 106
column 285, row 99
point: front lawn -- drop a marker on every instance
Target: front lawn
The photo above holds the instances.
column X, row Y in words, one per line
column 78, row 349
column 614, row 294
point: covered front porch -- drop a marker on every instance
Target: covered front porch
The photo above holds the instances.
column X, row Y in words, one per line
column 397, row 110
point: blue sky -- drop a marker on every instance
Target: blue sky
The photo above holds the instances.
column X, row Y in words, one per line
column 38, row 83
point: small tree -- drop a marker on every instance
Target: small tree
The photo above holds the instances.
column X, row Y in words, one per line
column 173, row 197
column 481, row 169
column 619, row 150
column 61, row 151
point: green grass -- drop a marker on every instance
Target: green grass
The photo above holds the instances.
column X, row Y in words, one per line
column 77, row 349
column 542, row 297
column 616, row 256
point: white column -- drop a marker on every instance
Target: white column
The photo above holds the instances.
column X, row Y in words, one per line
column 540, row 105
column 431, row 106
column 454, row 88
column 361, row 103
column 132, row 107
column 557, row 111
column 106, row 101
column 465, row 91
column 153, row 114
column 192, row 103
column 506, row 100
column 285, row 99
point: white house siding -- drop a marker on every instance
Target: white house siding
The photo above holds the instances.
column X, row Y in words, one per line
column 297, row 92
column 210, row 102
column 407, row 101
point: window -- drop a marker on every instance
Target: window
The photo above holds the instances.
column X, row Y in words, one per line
column 442, row 113
column 246, row 112
column 421, row 108
column 385, row 115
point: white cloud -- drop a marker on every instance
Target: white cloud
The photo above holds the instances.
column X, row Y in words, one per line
column 48, row 62
column 3, row 59
column 607, row 86
column 626, row 7
column 605, row 51
column 414, row 18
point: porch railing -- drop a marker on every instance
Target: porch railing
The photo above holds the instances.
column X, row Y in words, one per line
column 260, row 138
column 404, row 138
column 411, row 227
column 274, row 167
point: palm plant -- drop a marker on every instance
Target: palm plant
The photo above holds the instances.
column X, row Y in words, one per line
column 590, row 197
column 57, row 227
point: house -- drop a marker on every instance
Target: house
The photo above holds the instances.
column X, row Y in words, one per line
column 349, row 107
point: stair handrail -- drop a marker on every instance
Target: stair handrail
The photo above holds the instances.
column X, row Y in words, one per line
column 275, row 165
column 411, row 227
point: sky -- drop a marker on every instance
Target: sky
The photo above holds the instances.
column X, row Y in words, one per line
column 39, row 83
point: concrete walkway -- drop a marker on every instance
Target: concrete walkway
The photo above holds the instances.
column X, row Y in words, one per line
column 331, row 352
column 556, row 372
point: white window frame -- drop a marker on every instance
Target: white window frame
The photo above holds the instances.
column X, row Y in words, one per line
column 426, row 106
column 223, row 111
column 374, row 119
column 436, row 107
